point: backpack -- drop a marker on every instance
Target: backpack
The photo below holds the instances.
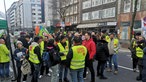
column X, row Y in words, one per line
column 55, row 57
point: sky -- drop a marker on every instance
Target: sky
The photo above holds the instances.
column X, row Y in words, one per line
column 8, row 4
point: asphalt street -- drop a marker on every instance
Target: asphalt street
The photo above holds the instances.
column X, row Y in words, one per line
column 125, row 73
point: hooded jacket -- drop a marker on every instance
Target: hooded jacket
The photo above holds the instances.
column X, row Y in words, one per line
column 102, row 52
column 91, row 47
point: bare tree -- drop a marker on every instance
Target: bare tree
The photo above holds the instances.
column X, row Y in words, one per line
column 62, row 10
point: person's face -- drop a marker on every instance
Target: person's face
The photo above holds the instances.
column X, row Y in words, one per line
column 87, row 37
column 137, row 37
column 140, row 38
column 101, row 33
column 40, row 40
column 2, row 41
column 19, row 45
column 64, row 40
column 27, row 39
column 111, row 36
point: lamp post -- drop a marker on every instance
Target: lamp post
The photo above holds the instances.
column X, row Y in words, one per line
column 12, row 59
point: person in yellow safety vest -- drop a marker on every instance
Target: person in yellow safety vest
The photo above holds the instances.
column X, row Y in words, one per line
column 63, row 48
column 140, row 45
column 76, row 59
column 4, row 60
column 35, row 58
column 133, row 51
column 107, row 38
column 113, row 46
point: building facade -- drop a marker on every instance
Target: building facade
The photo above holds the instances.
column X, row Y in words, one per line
column 125, row 17
column 25, row 14
column 71, row 13
column 98, row 14
column 51, row 15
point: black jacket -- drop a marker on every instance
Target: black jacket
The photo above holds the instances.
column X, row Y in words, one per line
column 144, row 66
column 102, row 52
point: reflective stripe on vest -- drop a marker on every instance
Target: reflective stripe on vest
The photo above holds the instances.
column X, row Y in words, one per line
column 79, row 55
column 63, row 50
column 32, row 56
column 139, row 52
column 107, row 38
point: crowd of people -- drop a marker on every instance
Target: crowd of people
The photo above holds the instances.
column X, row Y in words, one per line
column 63, row 52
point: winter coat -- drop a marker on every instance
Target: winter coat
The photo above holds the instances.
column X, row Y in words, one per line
column 144, row 66
column 17, row 57
column 91, row 47
column 102, row 52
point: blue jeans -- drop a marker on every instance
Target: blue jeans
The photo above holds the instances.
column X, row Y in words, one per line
column 77, row 75
column 4, row 69
column 63, row 68
column 36, row 72
column 113, row 58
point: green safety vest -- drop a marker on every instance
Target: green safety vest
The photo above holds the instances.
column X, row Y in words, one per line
column 32, row 56
column 79, row 55
column 4, row 54
column 63, row 50
column 42, row 47
column 139, row 52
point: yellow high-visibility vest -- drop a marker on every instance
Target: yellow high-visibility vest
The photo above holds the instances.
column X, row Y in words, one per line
column 139, row 52
column 63, row 50
column 79, row 55
column 32, row 56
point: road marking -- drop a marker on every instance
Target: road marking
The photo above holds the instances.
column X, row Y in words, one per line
column 125, row 68
column 11, row 70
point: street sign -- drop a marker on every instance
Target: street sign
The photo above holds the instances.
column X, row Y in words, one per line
column 3, row 24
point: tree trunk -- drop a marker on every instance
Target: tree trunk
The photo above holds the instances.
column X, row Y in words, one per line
column 133, row 19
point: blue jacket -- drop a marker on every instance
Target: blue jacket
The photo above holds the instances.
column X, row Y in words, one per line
column 18, row 55
column 144, row 66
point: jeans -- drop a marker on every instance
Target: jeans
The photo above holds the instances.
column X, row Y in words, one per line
column 101, row 67
column 4, row 70
column 19, row 75
column 35, row 72
column 54, row 77
column 89, row 64
column 77, row 75
column 61, row 68
column 113, row 58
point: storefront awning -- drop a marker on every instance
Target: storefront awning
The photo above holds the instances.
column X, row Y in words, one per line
column 87, row 25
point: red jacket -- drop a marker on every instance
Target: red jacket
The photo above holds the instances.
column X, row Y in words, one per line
column 91, row 47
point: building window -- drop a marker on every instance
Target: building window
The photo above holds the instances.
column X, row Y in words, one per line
column 39, row 5
column 75, row 19
column 33, row 5
column 86, row 4
column 108, row 13
column 95, row 15
column 138, row 5
column 75, row 8
column 107, row 1
column 86, row 16
column 33, row 13
column 96, row 3
column 127, row 6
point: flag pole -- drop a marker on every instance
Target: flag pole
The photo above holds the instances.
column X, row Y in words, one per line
column 10, row 48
